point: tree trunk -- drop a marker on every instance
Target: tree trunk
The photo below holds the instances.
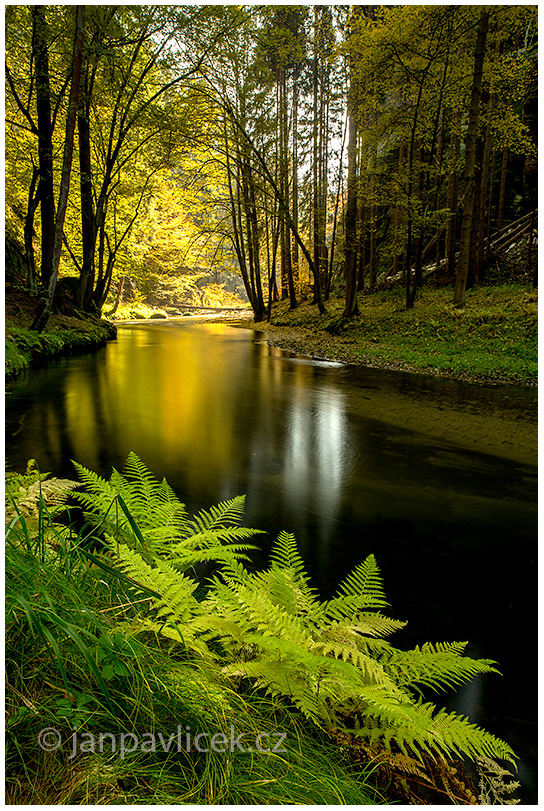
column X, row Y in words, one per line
column 502, row 191
column 373, row 263
column 470, row 155
column 41, row 317
column 88, row 235
column 295, row 258
column 315, row 162
column 337, row 203
column 361, row 213
column 350, row 266
column 481, row 253
column 408, row 251
column 451, row 203
column 45, row 142
column 474, row 229
column 397, row 215
column 286, row 247
column 33, row 200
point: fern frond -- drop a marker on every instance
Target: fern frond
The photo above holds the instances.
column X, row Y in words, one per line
column 140, row 482
column 367, row 669
column 439, row 666
column 365, row 580
column 183, row 559
column 349, row 607
column 175, row 589
column 285, row 555
column 233, row 574
column 419, row 727
column 226, row 512
column 279, row 679
column 177, row 610
column 286, row 563
column 102, row 490
column 496, row 783
column 283, row 590
column 206, row 538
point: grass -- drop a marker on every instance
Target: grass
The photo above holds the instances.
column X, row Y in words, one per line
column 76, row 659
column 492, row 339
column 86, row 667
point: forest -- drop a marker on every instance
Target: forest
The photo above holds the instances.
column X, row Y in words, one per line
column 264, row 153
column 358, row 185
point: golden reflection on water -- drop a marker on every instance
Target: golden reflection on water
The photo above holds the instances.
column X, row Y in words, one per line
column 190, row 399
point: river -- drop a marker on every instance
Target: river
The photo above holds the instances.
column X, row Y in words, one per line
column 436, row 477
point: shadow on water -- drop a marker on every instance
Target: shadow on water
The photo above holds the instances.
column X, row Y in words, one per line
column 437, row 478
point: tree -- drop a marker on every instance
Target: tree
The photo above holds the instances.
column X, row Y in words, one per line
column 470, row 156
column 52, row 272
column 350, row 260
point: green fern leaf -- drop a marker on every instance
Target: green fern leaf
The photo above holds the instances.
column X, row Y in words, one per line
column 439, row 667
column 365, row 580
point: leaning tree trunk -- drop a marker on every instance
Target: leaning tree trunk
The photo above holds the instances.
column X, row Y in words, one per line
column 33, row 200
column 470, row 155
column 88, row 224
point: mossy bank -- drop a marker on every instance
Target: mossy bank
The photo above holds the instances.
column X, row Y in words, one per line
column 63, row 335
column 493, row 339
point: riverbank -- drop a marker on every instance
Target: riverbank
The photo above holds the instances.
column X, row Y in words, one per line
column 63, row 335
column 493, row 340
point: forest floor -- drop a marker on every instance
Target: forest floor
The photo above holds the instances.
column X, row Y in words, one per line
column 493, row 339
column 62, row 334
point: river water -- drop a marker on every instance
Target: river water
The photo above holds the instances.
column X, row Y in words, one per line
column 436, row 477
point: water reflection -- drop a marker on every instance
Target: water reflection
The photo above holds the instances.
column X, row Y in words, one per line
column 435, row 477
column 315, row 452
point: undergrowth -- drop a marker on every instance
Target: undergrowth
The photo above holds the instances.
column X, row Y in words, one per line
column 114, row 628
column 494, row 337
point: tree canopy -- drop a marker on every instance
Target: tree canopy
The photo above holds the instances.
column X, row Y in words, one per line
column 299, row 148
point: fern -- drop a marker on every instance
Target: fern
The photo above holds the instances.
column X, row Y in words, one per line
column 496, row 783
column 153, row 520
column 334, row 662
column 177, row 612
column 333, row 659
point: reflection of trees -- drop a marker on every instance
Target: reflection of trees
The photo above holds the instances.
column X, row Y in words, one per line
column 298, row 451
column 314, row 451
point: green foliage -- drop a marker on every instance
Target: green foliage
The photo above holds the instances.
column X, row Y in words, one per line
column 174, row 653
column 76, row 656
column 331, row 659
column 137, row 509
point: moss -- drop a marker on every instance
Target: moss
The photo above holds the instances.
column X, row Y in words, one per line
column 25, row 348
